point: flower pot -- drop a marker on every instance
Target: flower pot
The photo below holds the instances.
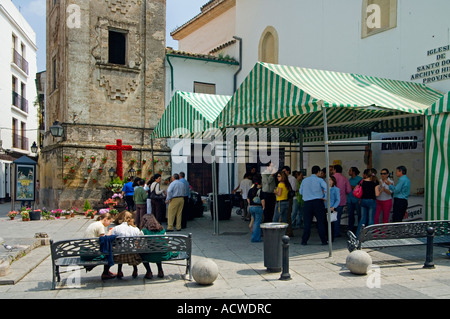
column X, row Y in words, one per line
column 35, row 215
column 12, row 218
column 25, row 219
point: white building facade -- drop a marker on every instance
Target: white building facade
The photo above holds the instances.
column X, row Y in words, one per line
column 18, row 67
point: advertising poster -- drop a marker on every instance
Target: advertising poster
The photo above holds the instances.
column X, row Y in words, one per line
column 25, row 182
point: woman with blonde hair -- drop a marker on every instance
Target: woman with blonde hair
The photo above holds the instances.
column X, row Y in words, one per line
column 281, row 193
column 127, row 229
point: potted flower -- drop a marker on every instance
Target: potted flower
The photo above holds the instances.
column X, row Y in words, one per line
column 94, row 180
column 133, row 160
column 66, row 213
column 93, row 158
column 12, row 214
column 73, row 212
column 45, row 214
column 110, row 202
column 139, row 170
column 67, row 158
column 155, row 161
column 100, row 170
column 167, row 162
column 89, row 168
column 144, row 161
column 81, row 158
column 85, row 179
column 104, row 159
column 160, row 171
column 113, row 212
column 25, row 215
column 117, row 195
column 90, row 213
column 72, row 169
column 65, row 179
column 150, row 171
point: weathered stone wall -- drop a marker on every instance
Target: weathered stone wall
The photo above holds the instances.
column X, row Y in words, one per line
column 99, row 102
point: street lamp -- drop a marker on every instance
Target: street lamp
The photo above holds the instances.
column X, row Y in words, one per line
column 132, row 173
column 56, row 129
column 34, row 148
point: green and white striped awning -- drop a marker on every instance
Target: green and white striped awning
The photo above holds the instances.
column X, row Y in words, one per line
column 437, row 160
column 293, row 98
column 189, row 113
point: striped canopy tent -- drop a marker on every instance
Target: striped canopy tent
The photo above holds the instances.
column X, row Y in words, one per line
column 293, row 99
column 325, row 105
column 191, row 113
column 437, row 157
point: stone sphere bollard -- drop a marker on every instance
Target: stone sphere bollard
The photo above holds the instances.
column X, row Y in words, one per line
column 205, row 272
column 358, row 262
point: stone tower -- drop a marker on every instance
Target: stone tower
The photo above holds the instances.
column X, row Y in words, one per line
column 105, row 81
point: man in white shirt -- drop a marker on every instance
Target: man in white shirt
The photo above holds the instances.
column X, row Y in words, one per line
column 244, row 187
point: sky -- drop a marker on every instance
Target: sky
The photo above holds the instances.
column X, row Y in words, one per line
column 178, row 12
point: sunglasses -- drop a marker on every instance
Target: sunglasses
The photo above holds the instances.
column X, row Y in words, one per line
column 384, row 173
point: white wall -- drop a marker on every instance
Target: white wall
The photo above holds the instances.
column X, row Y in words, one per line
column 326, row 34
column 11, row 21
column 188, row 71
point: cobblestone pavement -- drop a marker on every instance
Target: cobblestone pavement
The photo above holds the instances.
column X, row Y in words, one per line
column 396, row 273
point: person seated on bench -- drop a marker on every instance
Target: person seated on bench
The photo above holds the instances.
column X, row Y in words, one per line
column 98, row 229
column 127, row 229
column 150, row 226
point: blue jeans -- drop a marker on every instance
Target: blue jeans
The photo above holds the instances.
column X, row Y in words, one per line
column 368, row 209
column 257, row 213
column 281, row 210
column 297, row 214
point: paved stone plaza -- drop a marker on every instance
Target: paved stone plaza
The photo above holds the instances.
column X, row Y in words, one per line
column 396, row 272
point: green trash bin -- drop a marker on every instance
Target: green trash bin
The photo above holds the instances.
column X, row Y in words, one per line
column 273, row 246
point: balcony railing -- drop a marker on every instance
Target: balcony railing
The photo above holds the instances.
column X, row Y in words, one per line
column 20, row 61
column 19, row 101
column 20, row 142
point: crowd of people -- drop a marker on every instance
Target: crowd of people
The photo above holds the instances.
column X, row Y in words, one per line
column 279, row 196
column 148, row 198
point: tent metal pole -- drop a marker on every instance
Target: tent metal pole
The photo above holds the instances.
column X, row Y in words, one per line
column 327, row 163
column 215, row 193
column 372, row 141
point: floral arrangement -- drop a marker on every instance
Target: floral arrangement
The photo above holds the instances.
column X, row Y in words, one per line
column 133, row 160
column 25, row 215
column 144, row 161
column 117, row 195
column 81, row 158
column 104, row 159
column 12, row 214
column 114, row 212
column 57, row 213
column 155, row 161
column 93, row 157
column 45, row 214
column 103, row 211
column 90, row 213
column 67, row 157
column 110, row 201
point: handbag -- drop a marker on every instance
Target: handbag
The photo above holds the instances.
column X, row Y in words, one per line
column 333, row 217
column 153, row 195
column 358, row 190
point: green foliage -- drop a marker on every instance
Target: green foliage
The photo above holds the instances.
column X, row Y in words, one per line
column 86, row 206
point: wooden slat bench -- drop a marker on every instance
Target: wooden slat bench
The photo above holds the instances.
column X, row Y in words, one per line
column 401, row 234
column 80, row 252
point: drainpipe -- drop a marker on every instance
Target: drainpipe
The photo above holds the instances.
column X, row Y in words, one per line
column 240, row 62
column 171, row 72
